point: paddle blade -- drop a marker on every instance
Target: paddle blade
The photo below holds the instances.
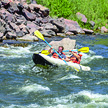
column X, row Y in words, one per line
column 84, row 49
column 39, row 35
column 45, row 52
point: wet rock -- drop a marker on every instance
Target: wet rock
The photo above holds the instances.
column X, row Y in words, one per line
column 28, row 15
column 72, row 26
column 81, row 17
column 88, row 31
column 28, row 37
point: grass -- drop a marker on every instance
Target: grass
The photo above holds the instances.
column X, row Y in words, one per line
column 94, row 10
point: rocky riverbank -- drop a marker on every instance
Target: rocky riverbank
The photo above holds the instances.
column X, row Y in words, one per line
column 19, row 20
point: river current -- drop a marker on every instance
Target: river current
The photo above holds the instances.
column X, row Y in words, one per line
column 23, row 85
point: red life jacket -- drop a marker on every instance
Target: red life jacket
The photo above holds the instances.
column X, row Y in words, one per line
column 75, row 60
column 55, row 55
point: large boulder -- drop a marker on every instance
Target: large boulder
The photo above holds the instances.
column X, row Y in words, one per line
column 28, row 15
column 59, row 23
column 73, row 26
column 67, row 43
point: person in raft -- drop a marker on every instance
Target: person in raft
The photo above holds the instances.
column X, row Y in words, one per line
column 55, row 55
column 74, row 58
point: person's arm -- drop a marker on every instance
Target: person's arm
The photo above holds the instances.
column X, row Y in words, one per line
column 76, row 55
column 50, row 50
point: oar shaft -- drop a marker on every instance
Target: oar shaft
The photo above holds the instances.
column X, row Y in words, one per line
column 69, row 50
column 55, row 51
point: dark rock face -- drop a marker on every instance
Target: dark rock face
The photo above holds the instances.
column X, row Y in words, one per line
column 20, row 20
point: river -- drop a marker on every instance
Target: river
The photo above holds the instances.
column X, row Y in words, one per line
column 25, row 86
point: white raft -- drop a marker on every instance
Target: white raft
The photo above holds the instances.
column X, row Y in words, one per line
column 47, row 60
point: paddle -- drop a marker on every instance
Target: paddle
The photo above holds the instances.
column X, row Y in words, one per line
column 40, row 36
column 83, row 49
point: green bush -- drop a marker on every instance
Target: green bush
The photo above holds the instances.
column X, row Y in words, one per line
column 95, row 10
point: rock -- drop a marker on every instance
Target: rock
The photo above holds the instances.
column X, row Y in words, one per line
column 61, row 34
column 48, row 33
column 81, row 17
column 60, row 24
column 72, row 26
column 4, row 13
column 20, row 33
column 8, row 29
column 92, row 23
column 11, row 35
column 32, row 27
column 28, row 15
column 5, row 2
column 67, row 43
column 104, row 29
column 13, row 26
column 69, row 33
column 42, row 9
column 24, row 28
column 0, row 4
column 2, row 23
column 50, row 26
column 88, row 31
column 1, row 37
column 28, row 38
column 13, row 8
column 2, row 29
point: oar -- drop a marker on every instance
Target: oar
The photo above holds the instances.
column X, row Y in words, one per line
column 40, row 36
column 83, row 49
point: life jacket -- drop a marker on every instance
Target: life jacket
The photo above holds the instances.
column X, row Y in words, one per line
column 75, row 60
column 55, row 55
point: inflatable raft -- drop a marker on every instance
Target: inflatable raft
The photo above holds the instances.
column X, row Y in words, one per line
column 47, row 60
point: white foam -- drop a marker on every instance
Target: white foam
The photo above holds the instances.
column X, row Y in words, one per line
column 34, row 88
column 69, row 76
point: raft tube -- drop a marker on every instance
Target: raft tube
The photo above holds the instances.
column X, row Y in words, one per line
column 47, row 60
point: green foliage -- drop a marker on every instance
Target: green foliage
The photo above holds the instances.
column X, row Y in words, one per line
column 95, row 10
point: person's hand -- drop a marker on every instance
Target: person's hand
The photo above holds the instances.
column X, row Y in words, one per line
column 70, row 50
column 52, row 48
